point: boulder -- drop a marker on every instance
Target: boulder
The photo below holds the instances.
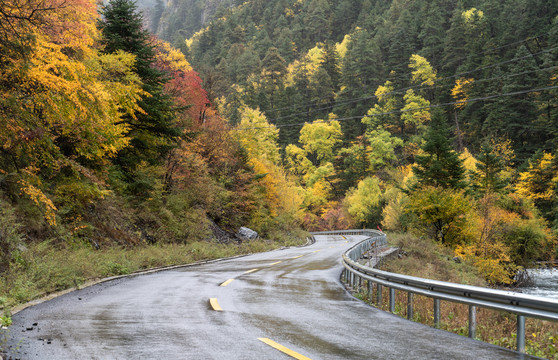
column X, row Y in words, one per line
column 247, row 234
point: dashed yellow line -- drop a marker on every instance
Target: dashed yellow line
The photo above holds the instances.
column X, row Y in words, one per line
column 215, row 305
column 343, row 236
column 316, row 251
column 227, row 282
column 275, row 263
column 283, row 349
column 250, row 271
column 296, row 257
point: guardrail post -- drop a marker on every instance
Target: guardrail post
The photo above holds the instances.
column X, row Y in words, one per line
column 436, row 313
column 392, row 300
column 521, row 333
column 370, row 287
column 379, row 295
column 472, row 321
column 410, row 305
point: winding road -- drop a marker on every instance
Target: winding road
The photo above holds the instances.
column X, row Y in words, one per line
column 282, row 304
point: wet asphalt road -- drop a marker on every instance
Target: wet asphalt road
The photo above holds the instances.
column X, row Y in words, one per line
column 293, row 298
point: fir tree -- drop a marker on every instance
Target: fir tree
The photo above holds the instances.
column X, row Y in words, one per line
column 489, row 167
column 514, row 116
column 152, row 133
column 440, row 165
column 330, row 63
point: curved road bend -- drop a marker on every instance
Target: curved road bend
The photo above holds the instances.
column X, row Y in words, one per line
column 290, row 298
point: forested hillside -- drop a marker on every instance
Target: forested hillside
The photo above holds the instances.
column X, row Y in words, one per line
column 437, row 117
column 111, row 151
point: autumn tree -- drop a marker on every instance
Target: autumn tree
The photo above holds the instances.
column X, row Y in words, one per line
column 440, row 213
column 62, row 103
column 540, row 183
column 384, row 112
column 364, row 203
column 313, row 162
column 260, row 140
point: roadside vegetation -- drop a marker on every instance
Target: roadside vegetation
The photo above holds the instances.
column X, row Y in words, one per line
column 427, row 259
column 42, row 268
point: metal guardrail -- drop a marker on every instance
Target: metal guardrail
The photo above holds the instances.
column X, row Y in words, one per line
column 520, row 304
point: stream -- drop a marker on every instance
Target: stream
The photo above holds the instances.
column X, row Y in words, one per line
column 545, row 283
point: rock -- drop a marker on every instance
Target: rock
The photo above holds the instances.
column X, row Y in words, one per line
column 247, row 234
column 35, row 324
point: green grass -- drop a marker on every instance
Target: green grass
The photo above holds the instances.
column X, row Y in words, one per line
column 43, row 269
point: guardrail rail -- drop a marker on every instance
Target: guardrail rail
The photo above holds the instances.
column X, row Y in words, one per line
column 519, row 304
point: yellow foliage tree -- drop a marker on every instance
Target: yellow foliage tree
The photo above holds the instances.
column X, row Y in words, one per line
column 460, row 92
column 259, row 138
column 422, row 73
column 62, row 102
column 364, row 202
column 539, row 181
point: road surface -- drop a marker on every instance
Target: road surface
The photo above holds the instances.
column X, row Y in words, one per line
column 282, row 304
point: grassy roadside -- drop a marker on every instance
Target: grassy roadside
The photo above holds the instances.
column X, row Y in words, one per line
column 427, row 259
column 43, row 269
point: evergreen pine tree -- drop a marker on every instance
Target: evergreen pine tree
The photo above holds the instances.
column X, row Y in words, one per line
column 153, row 132
column 440, row 165
column 432, row 33
column 454, row 43
column 330, row 63
column 514, row 116
column 361, row 73
column 273, row 73
column 487, row 175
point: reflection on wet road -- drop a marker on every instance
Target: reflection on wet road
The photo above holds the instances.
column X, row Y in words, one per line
column 277, row 305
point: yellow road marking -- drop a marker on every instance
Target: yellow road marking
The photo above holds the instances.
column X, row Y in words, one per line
column 250, row 271
column 275, row 263
column 227, row 282
column 317, row 251
column 215, row 305
column 296, row 257
column 283, row 349
column 343, row 236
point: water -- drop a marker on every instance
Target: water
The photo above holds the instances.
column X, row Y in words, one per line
column 545, row 283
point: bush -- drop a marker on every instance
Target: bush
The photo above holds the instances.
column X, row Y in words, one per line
column 440, row 213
